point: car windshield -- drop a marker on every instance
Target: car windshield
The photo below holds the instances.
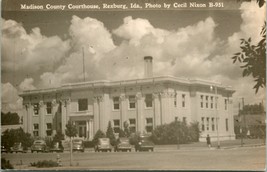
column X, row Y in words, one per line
column 124, row 141
column 104, row 141
column 77, row 141
column 16, row 144
column 38, row 142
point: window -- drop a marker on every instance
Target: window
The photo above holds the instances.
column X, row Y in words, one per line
column 49, row 129
column 132, row 126
column 148, row 100
column 225, row 104
column 149, row 125
column 132, row 102
column 175, row 100
column 226, row 124
column 203, row 124
column 48, row 107
column 201, row 101
column 116, row 103
column 212, row 124
column 183, row 100
column 36, row 108
column 216, row 102
column 211, row 102
column 176, row 118
column 35, row 129
column 82, row 104
column 207, row 101
column 208, row 124
column 116, row 127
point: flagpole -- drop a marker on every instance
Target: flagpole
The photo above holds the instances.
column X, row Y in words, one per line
column 83, row 66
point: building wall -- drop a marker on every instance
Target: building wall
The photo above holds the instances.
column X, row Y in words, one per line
column 171, row 101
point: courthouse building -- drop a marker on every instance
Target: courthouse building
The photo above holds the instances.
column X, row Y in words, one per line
column 142, row 103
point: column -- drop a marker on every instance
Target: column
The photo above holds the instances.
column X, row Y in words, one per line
column 123, row 110
column 157, row 119
column 91, row 126
column 42, row 124
column 30, row 114
column 96, row 113
column 139, row 111
column 54, row 117
column 87, row 129
column 164, row 107
column 103, row 122
column 64, row 115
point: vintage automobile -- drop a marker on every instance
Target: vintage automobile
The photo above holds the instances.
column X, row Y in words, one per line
column 144, row 144
column 18, row 147
column 39, row 146
column 4, row 149
column 102, row 145
column 123, row 145
column 78, row 145
column 57, row 147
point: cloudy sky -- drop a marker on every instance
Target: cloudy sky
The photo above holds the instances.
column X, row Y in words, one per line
column 42, row 49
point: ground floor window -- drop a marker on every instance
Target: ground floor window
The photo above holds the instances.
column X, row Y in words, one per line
column 149, row 125
column 35, row 129
column 49, row 129
column 203, row 124
column 132, row 126
column 226, row 124
column 212, row 124
column 116, row 127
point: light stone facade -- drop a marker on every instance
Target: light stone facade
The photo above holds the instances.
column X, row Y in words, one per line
column 142, row 103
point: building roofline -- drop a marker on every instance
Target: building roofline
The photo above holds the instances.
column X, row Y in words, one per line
column 140, row 81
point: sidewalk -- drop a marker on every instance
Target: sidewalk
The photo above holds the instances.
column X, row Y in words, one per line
column 229, row 144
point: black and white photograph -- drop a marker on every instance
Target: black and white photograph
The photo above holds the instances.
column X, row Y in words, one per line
column 133, row 85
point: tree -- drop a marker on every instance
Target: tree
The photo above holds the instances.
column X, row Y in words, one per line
column 252, row 109
column 9, row 137
column 126, row 129
column 98, row 134
column 71, row 130
column 59, row 136
column 110, row 134
column 9, row 118
column 253, row 57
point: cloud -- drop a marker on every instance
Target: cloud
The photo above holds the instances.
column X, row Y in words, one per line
column 27, row 84
column 10, row 100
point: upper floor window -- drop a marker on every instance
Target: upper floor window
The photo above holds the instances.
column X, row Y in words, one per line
column 116, row 103
column 203, row 124
column 175, row 100
column 132, row 102
column 82, row 104
column 183, row 100
column 211, row 102
column 48, row 107
column 212, row 124
column 207, row 101
column 36, row 108
column 201, row 101
column 148, row 100
column 208, row 124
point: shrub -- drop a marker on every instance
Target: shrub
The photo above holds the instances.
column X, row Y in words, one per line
column 134, row 138
column 175, row 132
column 45, row 163
column 5, row 164
column 98, row 134
column 110, row 134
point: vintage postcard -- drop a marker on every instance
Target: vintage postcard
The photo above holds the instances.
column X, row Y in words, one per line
column 133, row 85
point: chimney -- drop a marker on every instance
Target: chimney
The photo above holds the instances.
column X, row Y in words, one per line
column 148, row 67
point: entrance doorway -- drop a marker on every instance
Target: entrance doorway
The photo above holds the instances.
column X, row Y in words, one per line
column 81, row 125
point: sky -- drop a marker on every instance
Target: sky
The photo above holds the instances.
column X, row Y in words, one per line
column 44, row 49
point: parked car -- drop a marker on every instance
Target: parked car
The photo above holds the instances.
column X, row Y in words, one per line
column 39, row 146
column 4, row 149
column 103, row 144
column 18, row 147
column 123, row 145
column 144, row 144
column 78, row 145
column 57, row 147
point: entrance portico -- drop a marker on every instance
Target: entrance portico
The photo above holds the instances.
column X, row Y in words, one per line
column 84, row 125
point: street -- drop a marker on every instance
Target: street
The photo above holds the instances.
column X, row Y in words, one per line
column 241, row 158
